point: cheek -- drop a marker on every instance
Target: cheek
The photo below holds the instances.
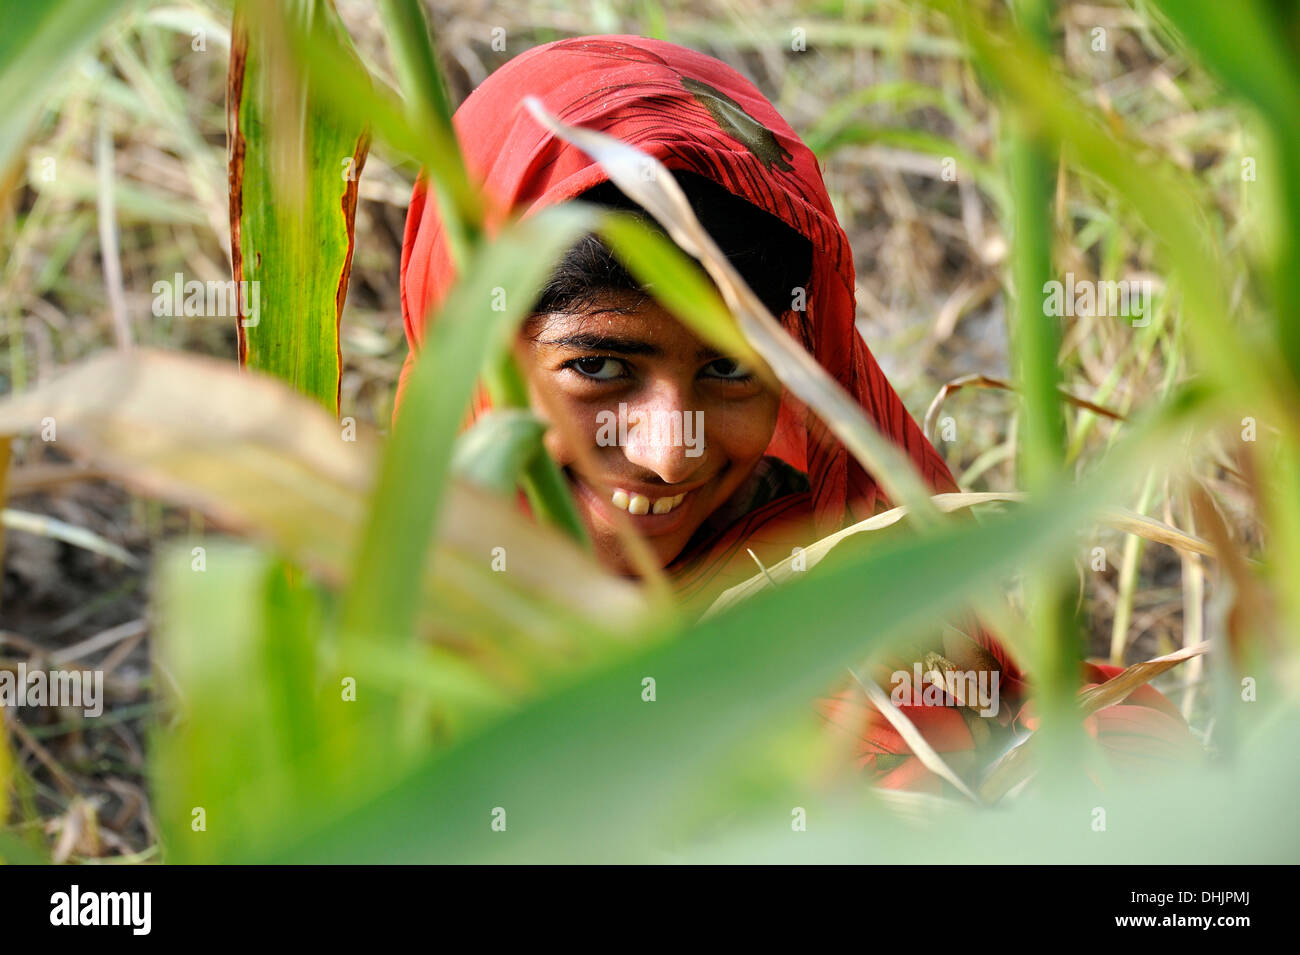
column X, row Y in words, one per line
column 571, row 419
column 741, row 431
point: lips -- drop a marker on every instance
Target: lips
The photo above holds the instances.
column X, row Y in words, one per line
column 652, row 516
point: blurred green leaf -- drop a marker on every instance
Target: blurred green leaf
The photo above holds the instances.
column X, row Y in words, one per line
column 1254, row 46
column 37, row 44
column 1246, row 43
column 14, row 851
column 494, row 452
column 475, row 324
column 1149, row 819
column 595, row 770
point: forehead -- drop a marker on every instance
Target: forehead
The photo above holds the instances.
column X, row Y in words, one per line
column 643, row 327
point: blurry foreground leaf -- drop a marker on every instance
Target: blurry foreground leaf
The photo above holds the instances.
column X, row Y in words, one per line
column 596, row 771
column 38, row 41
column 494, row 452
column 256, row 457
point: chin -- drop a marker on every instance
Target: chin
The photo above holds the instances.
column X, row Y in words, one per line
column 612, row 554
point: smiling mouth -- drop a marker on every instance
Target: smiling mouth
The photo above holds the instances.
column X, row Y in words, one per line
column 653, row 516
column 639, row 504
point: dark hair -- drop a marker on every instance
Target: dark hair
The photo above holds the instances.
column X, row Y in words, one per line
column 769, row 255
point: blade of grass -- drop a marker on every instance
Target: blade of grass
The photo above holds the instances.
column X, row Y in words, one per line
column 469, row 332
column 44, row 526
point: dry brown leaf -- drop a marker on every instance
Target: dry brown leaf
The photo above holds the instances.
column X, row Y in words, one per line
column 254, row 456
column 1117, row 688
column 1119, row 518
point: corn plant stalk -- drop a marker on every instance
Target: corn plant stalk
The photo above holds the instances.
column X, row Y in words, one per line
column 428, row 107
column 1056, row 642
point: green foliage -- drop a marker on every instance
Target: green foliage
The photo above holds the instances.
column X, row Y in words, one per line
column 363, row 685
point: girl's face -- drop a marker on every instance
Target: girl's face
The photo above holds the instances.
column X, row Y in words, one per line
column 670, row 426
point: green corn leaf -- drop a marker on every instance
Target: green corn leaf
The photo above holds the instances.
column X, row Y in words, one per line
column 294, row 170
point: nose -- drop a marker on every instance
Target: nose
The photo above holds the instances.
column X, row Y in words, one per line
column 664, row 434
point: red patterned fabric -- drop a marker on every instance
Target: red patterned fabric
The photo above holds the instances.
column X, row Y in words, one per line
column 1143, row 730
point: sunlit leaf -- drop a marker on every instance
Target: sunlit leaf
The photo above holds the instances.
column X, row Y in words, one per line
column 294, row 171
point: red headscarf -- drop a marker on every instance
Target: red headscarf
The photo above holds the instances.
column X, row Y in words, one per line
column 691, row 112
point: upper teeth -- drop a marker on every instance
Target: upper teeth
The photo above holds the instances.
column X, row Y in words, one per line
column 640, row 504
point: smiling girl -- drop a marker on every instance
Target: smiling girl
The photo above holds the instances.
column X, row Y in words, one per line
column 765, row 475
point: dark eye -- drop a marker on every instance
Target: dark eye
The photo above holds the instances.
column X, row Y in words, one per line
column 598, row 369
column 728, row 369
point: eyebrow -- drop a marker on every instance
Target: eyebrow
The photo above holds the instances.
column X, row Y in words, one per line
column 618, row 346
